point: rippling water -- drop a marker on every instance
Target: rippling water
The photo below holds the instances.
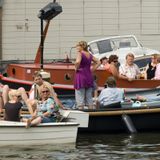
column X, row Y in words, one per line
column 92, row 147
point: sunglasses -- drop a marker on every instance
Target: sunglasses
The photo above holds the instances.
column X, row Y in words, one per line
column 45, row 91
column 18, row 96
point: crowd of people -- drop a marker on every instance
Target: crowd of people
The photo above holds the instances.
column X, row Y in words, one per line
column 111, row 94
column 43, row 103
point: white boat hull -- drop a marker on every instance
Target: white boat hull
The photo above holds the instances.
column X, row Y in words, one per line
column 82, row 118
column 15, row 133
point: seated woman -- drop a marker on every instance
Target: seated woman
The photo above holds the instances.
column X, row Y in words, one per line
column 13, row 106
column 112, row 65
column 103, row 61
column 46, row 110
column 110, row 95
column 151, row 67
column 157, row 71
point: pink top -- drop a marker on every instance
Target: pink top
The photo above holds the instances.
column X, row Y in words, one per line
column 157, row 72
column 107, row 67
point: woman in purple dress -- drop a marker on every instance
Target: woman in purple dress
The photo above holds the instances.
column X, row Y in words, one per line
column 83, row 83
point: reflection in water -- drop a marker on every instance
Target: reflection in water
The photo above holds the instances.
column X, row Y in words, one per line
column 92, row 147
column 122, row 146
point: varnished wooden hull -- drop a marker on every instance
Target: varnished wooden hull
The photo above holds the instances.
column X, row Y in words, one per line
column 61, row 90
column 63, row 73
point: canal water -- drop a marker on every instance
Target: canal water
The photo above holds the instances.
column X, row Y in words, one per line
column 140, row 146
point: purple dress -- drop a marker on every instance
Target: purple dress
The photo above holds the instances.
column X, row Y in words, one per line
column 83, row 76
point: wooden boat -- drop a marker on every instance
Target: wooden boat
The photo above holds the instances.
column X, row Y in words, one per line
column 15, row 133
column 123, row 120
column 120, row 118
column 61, row 73
column 62, row 77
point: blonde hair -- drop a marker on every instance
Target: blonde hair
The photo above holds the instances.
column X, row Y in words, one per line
column 13, row 93
column 158, row 58
column 83, row 44
column 46, row 87
column 155, row 55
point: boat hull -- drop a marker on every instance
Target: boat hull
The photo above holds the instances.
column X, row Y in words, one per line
column 65, row 90
column 112, row 121
column 15, row 133
column 60, row 89
column 63, row 74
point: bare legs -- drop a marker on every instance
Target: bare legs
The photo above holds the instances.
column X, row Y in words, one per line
column 32, row 106
column 33, row 122
column 23, row 94
column 4, row 97
column 5, row 94
column 1, row 104
column 30, row 103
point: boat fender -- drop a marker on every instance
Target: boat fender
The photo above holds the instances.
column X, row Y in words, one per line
column 129, row 124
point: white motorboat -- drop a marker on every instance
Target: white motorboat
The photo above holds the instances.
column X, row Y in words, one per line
column 15, row 133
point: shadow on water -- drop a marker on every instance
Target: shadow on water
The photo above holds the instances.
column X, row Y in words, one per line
column 92, row 147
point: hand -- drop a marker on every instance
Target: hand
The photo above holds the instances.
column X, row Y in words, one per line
column 130, row 79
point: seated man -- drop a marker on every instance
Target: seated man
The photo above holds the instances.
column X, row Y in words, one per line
column 35, row 92
column 129, row 70
column 111, row 94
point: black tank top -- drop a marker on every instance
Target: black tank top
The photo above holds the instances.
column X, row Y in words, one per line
column 12, row 111
column 151, row 71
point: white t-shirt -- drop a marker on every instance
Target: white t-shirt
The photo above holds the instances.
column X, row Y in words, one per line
column 32, row 91
column 129, row 71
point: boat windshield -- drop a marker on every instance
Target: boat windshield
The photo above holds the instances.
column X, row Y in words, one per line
column 142, row 63
column 124, row 42
column 108, row 45
column 101, row 47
